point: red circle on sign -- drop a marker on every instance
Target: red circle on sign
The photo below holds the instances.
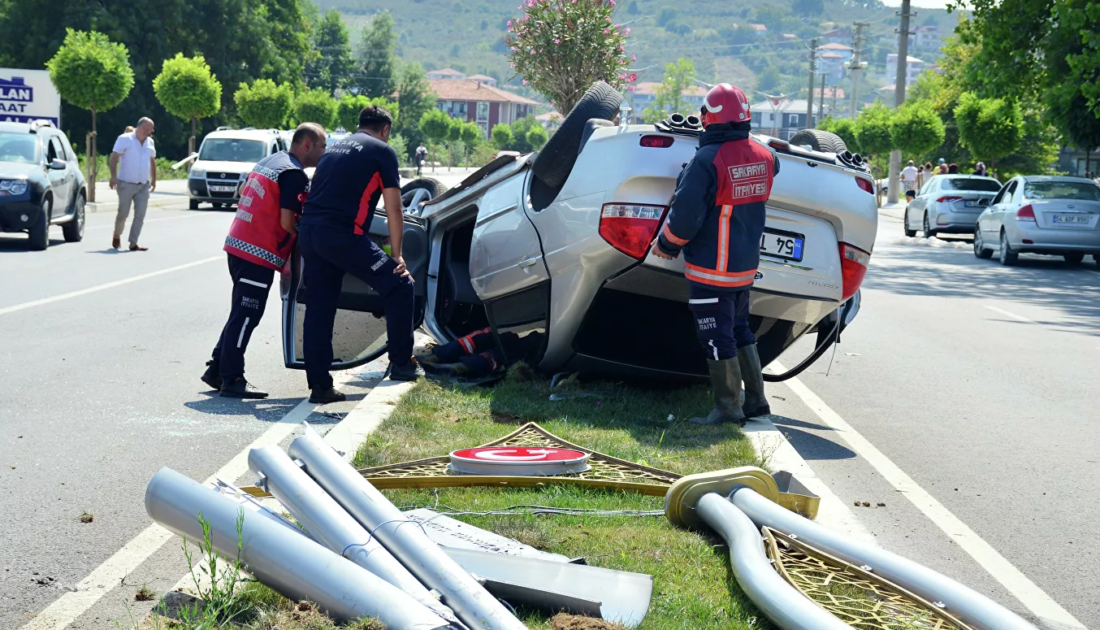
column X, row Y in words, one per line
column 519, row 454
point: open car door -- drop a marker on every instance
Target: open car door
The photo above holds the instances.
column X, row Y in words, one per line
column 359, row 334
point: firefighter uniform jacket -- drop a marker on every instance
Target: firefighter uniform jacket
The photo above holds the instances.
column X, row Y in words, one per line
column 717, row 215
column 257, row 235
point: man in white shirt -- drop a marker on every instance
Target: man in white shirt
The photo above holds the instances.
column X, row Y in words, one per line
column 909, row 179
column 134, row 174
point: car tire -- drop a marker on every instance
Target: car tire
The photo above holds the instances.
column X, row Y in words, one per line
column 40, row 231
column 980, row 250
column 1074, row 258
column 1007, row 257
column 819, row 140
column 193, row 205
column 556, row 159
column 74, row 229
column 928, row 231
column 434, row 187
column 905, row 225
column 217, row 205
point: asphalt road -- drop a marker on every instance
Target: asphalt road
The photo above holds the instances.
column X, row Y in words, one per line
column 979, row 382
column 973, row 379
column 99, row 389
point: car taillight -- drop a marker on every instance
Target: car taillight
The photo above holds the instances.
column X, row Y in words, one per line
column 657, row 142
column 948, row 198
column 865, row 185
column 1026, row 213
column 631, row 227
column 779, row 145
column 853, row 267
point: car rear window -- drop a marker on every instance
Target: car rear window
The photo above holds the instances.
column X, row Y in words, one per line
column 232, row 150
column 18, row 147
column 973, row 185
column 1062, row 190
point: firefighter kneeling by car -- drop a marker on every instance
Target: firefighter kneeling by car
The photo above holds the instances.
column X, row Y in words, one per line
column 717, row 219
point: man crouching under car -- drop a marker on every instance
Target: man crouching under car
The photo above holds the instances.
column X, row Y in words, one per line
column 717, row 219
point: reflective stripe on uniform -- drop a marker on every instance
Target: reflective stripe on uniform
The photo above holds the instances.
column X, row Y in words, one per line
column 712, row 300
column 672, row 238
column 724, row 237
column 718, row 278
column 253, row 250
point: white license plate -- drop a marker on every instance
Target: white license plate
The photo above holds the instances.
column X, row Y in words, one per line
column 227, row 189
column 1071, row 218
column 782, row 245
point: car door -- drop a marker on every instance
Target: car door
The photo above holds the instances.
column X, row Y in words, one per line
column 988, row 221
column 61, row 180
column 914, row 213
column 359, row 334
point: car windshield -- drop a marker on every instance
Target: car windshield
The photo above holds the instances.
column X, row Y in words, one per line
column 972, row 185
column 232, row 150
column 1062, row 190
column 18, row 147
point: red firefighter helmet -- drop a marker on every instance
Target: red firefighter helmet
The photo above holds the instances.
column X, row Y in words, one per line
column 725, row 104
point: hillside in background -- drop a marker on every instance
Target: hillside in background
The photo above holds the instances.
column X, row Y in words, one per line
column 714, row 34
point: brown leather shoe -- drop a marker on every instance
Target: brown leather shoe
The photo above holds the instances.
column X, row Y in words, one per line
column 134, row 247
column 116, row 242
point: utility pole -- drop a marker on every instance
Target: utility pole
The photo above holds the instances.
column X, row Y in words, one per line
column 821, row 99
column 856, row 65
column 899, row 94
column 810, row 97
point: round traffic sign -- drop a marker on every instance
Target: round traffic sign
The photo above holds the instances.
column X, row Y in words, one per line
column 518, row 461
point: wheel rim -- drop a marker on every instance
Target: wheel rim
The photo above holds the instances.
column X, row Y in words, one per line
column 79, row 216
column 412, row 199
column 1004, row 247
column 927, row 231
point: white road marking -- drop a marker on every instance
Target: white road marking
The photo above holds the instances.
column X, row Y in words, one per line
column 104, row 287
column 108, row 575
column 1014, row 316
column 1030, row 595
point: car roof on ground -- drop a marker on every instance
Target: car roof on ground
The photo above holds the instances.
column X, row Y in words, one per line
column 1058, row 178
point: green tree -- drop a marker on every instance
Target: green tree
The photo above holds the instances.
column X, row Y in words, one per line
column 632, row 8
column 93, row 73
column 263, row 104
column 347, row 111
column 808, row 7
column 769, row 78
column 916, row 128
column 669, row 97
column 376, row 60
column 435, row 126
column 990, row 128
column 846, row 128
column 502, row 137
column 332, row 64
column 562, row 47
column 454, row 132
column 471, row 134
column 188, row 90
column 316, row 106
column 537, row 136
column 873, row 133
column 519, row 133
column 414, row 99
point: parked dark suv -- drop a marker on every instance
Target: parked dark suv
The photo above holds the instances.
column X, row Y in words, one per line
column 40, row 183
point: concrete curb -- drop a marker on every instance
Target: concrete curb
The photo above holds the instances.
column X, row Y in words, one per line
column 155, row 201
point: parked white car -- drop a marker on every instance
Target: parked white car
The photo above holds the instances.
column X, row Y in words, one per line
column 225, row 159
column 554, row 246
column 949, row 204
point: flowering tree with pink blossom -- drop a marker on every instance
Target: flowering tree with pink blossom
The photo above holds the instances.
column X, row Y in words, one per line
column 562, row 47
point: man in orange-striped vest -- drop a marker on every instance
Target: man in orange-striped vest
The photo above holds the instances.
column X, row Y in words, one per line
column 717, row 219
column 260, row 242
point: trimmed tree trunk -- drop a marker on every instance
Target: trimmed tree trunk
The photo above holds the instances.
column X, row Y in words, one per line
column 191, row 141
column 93, row 160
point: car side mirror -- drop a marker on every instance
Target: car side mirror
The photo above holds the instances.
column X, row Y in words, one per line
column 58, row 164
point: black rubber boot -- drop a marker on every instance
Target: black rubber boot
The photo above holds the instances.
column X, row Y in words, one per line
column 211, row 376
column 408, row 372
column 237, row 387
column 756, row 404
column 326, row 396
column 725, row 385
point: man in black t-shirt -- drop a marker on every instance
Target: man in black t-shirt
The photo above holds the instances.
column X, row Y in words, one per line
column 352, row 175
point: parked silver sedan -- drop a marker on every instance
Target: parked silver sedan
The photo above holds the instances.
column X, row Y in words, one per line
column 949, row 204
column 1042, row 215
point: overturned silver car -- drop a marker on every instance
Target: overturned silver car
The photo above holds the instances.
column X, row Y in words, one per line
column 554, row 247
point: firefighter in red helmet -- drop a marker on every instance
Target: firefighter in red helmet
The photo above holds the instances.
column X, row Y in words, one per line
column 717, row 220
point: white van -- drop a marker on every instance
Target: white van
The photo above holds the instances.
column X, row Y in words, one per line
column 225, row 158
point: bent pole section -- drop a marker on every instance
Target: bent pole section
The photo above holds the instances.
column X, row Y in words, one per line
column 331, row 526
column 281, row 558
column 967, row 605
column 777, row 599
column 405, row 539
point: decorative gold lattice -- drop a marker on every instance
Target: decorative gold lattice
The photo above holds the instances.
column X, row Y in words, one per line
column 853, row 594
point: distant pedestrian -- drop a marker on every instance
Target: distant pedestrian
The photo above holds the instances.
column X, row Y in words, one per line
column 421, row 157
column 980, row 169
column 929, row 172
column 909, row 180
column 943, row 169
column 952, row 169
column 920, row 176
column 128, row 129
column 134, row 174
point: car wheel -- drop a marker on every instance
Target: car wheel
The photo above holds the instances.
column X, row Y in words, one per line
column 980, row 249
column 928, row 231
column 905, row 225
column 40, row 231
column 192, row 204
column 1007, row 256
column 819, row 140
column 74, row 229
column 217, row 206
column 1074, row 258
column 556, row 159
column 419, row 191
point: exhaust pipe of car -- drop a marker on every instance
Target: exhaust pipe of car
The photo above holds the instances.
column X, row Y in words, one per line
column 295, row 566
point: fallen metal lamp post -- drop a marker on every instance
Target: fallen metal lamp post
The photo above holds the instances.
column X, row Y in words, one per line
column 281, row 558
column 405, row 539
column 331, row 526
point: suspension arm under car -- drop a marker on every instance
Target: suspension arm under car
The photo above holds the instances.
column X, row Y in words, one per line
column 841, row 319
